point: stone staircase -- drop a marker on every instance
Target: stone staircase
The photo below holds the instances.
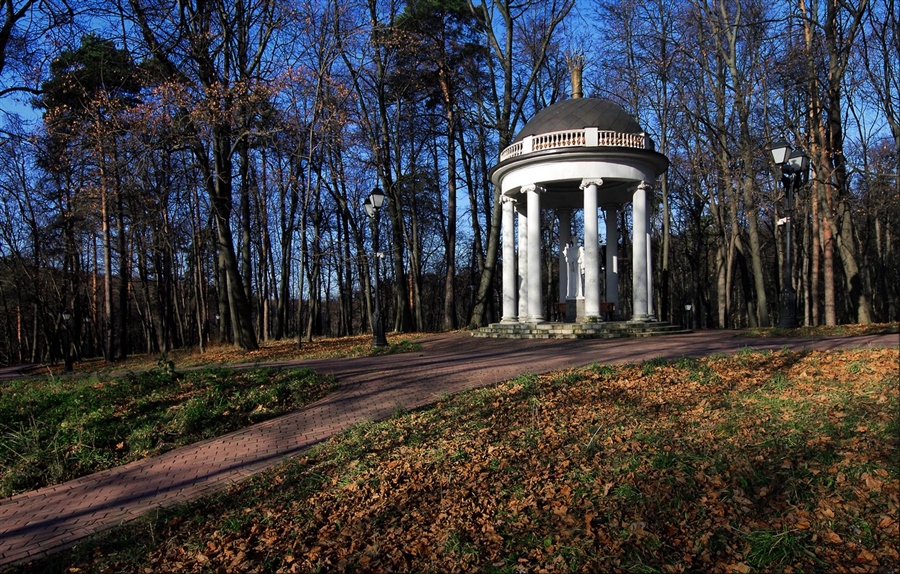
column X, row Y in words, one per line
column 602, row 330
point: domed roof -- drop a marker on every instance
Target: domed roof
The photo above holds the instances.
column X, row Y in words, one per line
column 578, row 114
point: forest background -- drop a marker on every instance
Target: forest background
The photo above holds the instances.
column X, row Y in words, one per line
column 180, row 172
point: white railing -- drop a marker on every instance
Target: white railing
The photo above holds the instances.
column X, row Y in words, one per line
column 587, row 137
column 623, row 140
column 552, row 140
column 512, row 151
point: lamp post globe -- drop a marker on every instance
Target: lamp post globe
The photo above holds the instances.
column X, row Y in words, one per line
column 780, row 151
column 376, row 198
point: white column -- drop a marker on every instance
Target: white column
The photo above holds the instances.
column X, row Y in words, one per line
column 533, row 205
column 522, row 267
column 612, row 254
column 639, row 276
column 591, row 250
column 508, row 224
column 565, row 235
column 650, row 312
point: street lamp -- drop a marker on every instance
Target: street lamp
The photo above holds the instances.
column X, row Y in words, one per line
column 67, row 352
column 687, row 310
column 794, row 166
column 373, row 204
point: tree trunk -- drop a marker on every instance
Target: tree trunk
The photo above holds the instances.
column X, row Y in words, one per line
column 220, row 189
column 665, row 311
column 449, row 322
column 197, row 257
column 288, row 222
column 728, row 36
column 246, row 233
column 760, row 299
column 108, row 318
column 472, row 186
column 238, row 306
column 815, row 256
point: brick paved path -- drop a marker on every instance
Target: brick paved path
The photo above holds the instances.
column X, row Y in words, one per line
column 51, row 519
column 10, row 373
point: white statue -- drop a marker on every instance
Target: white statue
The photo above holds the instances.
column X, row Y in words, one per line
column 572, row 267
column 579, row 294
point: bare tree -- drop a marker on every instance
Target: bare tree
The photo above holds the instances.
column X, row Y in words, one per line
column 221, row 61
column 831, row 36
column 504, row 22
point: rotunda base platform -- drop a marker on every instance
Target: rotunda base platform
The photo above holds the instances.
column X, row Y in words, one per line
column 602, row 330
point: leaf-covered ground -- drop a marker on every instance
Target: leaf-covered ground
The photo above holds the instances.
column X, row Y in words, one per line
column 760, row 462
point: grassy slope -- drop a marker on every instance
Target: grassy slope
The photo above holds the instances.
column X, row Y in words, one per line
column 54, row 429
column 757, row 462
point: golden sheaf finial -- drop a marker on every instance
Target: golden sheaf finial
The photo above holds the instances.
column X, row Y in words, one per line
column 575, row 62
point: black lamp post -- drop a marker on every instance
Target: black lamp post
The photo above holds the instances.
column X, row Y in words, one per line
column 67, row 351
column 794, row 173
column 373, row 204
column 687, row 312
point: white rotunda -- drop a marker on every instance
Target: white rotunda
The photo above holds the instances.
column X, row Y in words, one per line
column 582, row 153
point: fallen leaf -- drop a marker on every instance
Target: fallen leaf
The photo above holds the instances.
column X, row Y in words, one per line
column 872, row 483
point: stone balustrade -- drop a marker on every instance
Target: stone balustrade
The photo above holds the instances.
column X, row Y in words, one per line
column 587, row 137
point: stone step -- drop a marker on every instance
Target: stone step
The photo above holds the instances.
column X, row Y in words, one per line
column 604, row 330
